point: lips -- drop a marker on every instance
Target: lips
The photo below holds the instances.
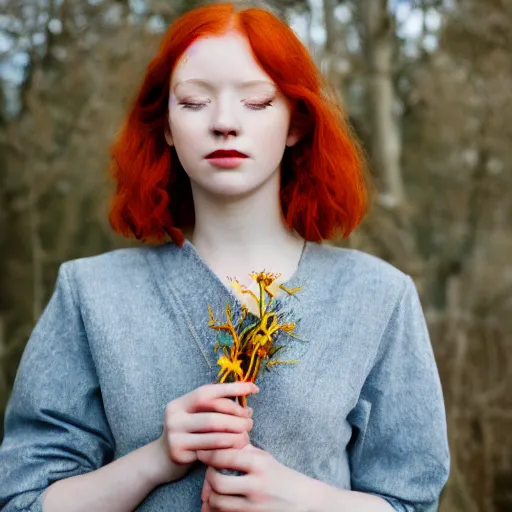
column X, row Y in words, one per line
column 226, row 153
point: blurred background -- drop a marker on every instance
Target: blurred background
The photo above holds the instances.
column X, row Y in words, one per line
column 427, row 85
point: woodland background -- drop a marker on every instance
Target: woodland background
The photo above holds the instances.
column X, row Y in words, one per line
column 428, row 88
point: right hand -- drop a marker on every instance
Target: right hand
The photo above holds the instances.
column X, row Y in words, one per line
column 205, row 419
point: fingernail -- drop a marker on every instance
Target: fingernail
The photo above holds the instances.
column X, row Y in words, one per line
column 250, row 412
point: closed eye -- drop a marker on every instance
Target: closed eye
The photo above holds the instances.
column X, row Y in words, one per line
column 252, row 106
column 259, row 106
column 193, row 106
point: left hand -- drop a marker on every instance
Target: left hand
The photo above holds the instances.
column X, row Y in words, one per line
column 267, row 486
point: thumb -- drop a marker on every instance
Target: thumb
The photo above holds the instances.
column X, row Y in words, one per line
column 205, row 492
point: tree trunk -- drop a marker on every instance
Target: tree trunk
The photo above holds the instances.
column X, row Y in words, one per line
column 335, row 64
column 386, row 146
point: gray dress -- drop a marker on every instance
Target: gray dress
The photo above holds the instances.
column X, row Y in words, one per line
column 127, row 331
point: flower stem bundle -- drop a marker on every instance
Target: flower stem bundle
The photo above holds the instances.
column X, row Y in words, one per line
column 246, row 341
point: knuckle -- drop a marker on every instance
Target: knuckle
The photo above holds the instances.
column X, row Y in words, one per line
column 204, row 390
column 238, row 424
column 175, row 450
column 241, row 440
column 172, row 423
column 177, row 457
column 201, row 401
column 172, row 446
column 170, row 411
column 176, row 442
column 182, row 458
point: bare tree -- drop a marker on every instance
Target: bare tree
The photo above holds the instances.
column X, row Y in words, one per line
column 379, row 50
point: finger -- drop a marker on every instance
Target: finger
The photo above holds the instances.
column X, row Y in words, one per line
column 213, row 391
column 215, row 422
column 226, row 484
column 227, row 503
column 221, row 405
column 210, row 441
column 242, row 460
column 205, row 491
column 206, row 508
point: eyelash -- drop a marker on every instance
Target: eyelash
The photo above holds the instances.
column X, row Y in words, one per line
column 252, row 106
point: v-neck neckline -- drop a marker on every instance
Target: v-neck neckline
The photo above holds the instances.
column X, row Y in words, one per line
column 189, row 285
column 291, row 282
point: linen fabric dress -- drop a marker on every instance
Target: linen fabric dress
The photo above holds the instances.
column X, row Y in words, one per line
column 127, row 331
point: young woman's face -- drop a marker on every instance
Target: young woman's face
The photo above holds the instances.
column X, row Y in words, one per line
column 221, row 99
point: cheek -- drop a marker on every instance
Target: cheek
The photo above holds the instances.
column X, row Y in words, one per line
column 274, row 128
column 187, row 144
column 272, row 137
column 187, row 131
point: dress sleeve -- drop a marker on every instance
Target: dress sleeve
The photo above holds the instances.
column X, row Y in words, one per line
column 399, row 450
column 55, row 424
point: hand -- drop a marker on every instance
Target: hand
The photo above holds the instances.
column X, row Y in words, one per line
column 267, row 486
column 204, row 419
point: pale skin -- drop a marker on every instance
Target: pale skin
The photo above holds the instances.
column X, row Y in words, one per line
column 204, row 419
column 238, row 224
column 238, row 215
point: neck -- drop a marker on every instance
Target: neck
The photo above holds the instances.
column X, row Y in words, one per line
column 243, row 231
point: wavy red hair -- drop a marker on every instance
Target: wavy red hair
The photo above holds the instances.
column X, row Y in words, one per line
column 324, row 189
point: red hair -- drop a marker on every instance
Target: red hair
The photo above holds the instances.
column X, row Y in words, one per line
column 323, row 177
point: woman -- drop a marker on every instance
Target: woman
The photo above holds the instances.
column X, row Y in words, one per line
column 233, row 151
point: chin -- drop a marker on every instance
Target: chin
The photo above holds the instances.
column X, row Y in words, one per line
column 231, row 187
column 231, row 191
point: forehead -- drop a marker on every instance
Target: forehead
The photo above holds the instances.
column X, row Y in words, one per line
column 222, row 60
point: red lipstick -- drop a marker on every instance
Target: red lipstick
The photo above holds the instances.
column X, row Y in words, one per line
column 226, row 158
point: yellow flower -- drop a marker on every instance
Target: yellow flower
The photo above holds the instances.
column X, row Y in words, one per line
column 246, row 297
column 267, row 280
column 250, row 342
column 238, row 288
column 271, row 283
column 228, row 367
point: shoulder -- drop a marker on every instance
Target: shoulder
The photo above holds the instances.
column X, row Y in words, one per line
column 359, row 261
column 358, row 283
column 355, row 268
column 116, row 258
column 109, row 273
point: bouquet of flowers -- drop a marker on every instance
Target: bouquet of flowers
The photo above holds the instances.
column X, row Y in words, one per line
column 248, row 341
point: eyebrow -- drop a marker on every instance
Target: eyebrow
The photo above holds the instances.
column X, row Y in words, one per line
column 207, row 85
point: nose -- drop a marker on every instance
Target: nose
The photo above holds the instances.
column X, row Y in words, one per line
column 225, row 122
column 224, row 132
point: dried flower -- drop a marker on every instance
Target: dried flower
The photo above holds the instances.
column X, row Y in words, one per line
column 246, row 339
